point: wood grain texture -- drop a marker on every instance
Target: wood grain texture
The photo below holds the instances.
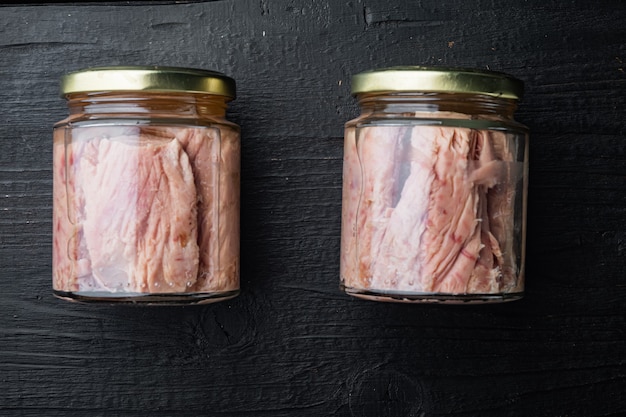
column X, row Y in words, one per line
column 292, row 344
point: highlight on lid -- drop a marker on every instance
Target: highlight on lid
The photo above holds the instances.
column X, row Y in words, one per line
column 147, row 78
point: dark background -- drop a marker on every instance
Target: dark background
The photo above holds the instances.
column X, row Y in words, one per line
column 292, row 344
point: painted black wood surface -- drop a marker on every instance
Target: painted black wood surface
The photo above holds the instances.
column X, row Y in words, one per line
column 292, row 344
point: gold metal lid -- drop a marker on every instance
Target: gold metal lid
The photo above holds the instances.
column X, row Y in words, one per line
column 437, row 80
column 148, row 78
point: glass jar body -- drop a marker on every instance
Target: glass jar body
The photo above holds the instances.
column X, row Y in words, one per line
column 146, row 199
column 434, row 199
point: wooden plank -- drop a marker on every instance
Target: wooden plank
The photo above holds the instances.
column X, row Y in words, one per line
column 292, row 343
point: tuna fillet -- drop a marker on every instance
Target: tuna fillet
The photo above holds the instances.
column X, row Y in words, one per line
column 146, row 209
column 435, row 213
column 139, row 227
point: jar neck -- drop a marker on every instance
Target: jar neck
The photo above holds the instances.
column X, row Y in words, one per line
column 146, row 105
column 439, row 104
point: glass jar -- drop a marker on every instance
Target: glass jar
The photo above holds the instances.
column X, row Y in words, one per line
column 434, row 187
column 146, row 187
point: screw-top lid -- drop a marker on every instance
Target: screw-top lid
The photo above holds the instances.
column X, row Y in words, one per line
column 437, row 80
column 148, row 78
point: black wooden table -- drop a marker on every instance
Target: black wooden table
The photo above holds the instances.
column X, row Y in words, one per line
column 292, row 344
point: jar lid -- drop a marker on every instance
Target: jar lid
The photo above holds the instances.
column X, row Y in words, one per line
column 437, row 80
column 148, row 78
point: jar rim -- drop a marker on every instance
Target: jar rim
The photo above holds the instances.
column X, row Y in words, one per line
column 148, row 79
column 437, row 80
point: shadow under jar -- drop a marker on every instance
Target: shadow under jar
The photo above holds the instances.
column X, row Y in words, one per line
column 434, row 187
column 146, row 187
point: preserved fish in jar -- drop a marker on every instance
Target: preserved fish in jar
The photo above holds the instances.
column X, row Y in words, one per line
column 434, row 187
column 146, row 187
